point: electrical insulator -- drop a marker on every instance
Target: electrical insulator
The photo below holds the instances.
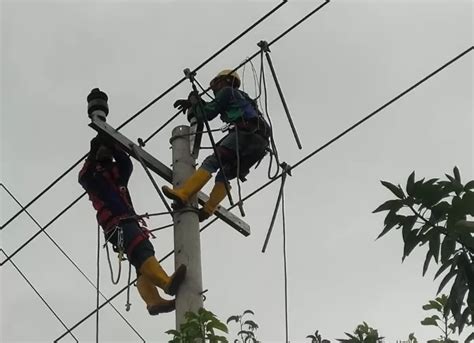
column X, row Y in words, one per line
column 97, row 104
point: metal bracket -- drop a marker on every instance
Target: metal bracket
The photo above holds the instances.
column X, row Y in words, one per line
column 162, row 170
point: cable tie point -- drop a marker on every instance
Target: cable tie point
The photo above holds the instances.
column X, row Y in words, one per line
column 264, row 46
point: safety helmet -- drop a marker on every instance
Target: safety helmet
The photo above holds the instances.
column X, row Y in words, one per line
column 230, row 76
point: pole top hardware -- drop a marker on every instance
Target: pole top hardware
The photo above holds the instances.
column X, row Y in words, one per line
column 97, row 104
column 286, row 168
column 189, row 74
column 263, row 44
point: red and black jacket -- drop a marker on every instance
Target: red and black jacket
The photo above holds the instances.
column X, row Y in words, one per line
column 106, row 184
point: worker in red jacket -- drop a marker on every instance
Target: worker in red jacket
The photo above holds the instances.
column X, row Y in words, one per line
column 105, row 176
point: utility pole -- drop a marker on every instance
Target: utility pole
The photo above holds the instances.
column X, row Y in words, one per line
column 187, row 242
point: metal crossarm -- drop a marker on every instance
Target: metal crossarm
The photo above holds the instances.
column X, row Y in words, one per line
column 162, row 170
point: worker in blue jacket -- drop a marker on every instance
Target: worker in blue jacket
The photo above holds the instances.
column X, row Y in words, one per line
column 246, row 141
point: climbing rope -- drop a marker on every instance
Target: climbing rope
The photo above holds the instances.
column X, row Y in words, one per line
column 285, row 272
column 97, row 284
column 119, row 232
column 237, row 152
column 128, row 304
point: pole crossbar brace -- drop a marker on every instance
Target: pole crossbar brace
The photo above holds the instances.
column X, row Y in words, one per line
column 162, row 170
column 286, row 171
column 158, row 190
column 265, row 48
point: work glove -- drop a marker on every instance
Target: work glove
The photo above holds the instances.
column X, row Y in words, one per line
column 182, row 105
column 194, row 98
column 95, row 144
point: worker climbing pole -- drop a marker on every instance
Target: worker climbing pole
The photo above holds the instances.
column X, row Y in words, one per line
column 105, row 177
column 244, row 145
column 120, row 222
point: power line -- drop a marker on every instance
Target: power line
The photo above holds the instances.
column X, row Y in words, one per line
column 70, row 260
column 42, row 229
column 44, row 301
column 357, row 124
column 106, row 302
column 148, row 106
column 70, row 205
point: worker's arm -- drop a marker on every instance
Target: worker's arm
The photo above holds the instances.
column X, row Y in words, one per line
column 124, row 163
column 210, row 110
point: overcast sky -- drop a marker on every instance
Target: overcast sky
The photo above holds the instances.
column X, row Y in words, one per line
column 343, row 63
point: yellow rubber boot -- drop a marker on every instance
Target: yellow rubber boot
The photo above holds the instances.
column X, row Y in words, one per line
column 190, row 187
column 152, row 269
column 218, row 194
column 155, row 304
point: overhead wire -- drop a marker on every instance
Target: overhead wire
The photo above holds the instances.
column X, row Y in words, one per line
column 39, row 295
column 70, row 259
column 98, row 285
column 285, row 265
column 77, row 199
column 217, row 53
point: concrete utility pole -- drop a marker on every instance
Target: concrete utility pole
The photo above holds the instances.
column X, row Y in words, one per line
column 187, row 241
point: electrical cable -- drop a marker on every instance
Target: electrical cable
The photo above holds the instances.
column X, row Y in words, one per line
column 44, row 301
column 70, row 260
column 98, row 285
column 285, row 271
column 372, row 114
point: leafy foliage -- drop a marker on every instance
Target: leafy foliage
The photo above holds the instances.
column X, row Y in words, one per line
column 444, row 323
column 200, row 327
column 247, row 327
column 317, row 338
column 362, row 334
column 435, row 212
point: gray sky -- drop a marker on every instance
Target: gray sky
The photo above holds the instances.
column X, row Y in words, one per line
column 342, row 64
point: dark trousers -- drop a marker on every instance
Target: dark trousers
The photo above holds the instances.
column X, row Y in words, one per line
column 135, row 242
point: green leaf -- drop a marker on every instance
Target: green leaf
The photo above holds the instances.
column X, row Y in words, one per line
column 440, row 211
column 245, row 333
column 394, row 189
column 447, row 248
column 429, row 321
column 457, row 175
column 248, row 311
column 427, row 262
column 434, row 245
column 434, row 305
column 233, row 318
column 468, row 203
column 219, row 326
column 390, row 205
column 251, row 324
column 410, row 244
column 408, row 224
column 468, row 186
column 173, row 332
column 447, row 278
column 445, row 266
column 411, row 184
